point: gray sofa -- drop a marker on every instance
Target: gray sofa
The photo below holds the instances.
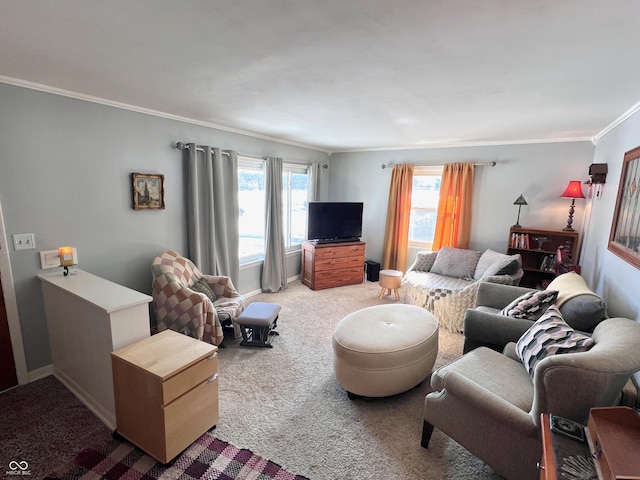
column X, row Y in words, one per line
column 445, row 282
column 483, row 326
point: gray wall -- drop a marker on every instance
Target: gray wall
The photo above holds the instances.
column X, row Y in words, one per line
column 616, row 280
column 65, row 176
column 538, row 171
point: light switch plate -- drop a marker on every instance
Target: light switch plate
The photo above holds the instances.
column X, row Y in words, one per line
column 24, row 241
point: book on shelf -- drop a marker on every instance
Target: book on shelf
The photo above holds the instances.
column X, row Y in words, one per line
column 520, row 240
column 547, row 263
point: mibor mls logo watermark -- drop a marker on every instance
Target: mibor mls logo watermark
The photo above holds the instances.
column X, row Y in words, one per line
column 18, row 468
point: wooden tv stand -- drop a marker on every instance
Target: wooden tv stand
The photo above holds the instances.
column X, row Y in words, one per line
column 328, row 265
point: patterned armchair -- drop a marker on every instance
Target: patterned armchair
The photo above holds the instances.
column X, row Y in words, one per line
column 192, row 303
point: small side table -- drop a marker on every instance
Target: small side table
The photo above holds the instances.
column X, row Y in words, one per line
column 166, row 392
column 390, row 281
column 556, row 449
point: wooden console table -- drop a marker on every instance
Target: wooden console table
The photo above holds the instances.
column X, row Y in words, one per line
column 88, row 317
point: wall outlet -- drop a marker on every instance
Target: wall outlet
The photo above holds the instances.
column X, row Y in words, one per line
column 24, row 241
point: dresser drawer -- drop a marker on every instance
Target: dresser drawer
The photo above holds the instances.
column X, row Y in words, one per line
column 188, row 378
column 339, row 252
column 339, row 263
column 190, row 415
column 337, row 278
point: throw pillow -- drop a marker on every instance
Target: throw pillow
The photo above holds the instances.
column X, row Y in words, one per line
column 456, row 262
column 494, row 263
column 424, row 261
column 202, row 286
column 531, row 305
column 550, row 335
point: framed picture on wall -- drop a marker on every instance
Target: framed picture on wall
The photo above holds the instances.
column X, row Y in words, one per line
column 624, row 239
column 148, row 191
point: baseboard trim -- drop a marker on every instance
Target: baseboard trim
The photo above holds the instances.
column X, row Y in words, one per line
column 253, row 293
column 39, row 373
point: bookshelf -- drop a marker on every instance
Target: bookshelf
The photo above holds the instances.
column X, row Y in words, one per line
column 538, row 247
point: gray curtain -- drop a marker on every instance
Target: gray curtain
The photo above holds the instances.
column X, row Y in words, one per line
column 313, row 171
column 274, row 271
column 212, row 210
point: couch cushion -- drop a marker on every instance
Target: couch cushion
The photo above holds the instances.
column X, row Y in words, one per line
column 495, row 263
column 550, row 335
column 531, row 305
column 456, row 262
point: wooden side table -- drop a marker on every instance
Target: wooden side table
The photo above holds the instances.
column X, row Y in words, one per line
column 556, row 449
column 166, row 392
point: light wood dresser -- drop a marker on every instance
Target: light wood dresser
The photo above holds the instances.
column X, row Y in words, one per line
column 327, row 265
column 166, row 392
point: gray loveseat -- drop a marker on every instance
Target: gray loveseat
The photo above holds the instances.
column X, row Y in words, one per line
column 484, row 326
column 445, row 282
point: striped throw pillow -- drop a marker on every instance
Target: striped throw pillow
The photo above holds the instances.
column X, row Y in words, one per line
column 531, row 305
column 550, row 335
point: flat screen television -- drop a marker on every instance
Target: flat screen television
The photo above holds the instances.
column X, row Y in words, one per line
column 334, row 221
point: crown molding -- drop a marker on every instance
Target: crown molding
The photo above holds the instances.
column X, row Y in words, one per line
column 633, row 110
column 492, row 143
column 147, row 111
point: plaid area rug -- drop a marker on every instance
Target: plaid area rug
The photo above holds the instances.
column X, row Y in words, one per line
column 207, row 458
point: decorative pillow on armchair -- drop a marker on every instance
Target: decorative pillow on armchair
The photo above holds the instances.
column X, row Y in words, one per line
column 550, row 335
column 531, row 305
column 202, row 286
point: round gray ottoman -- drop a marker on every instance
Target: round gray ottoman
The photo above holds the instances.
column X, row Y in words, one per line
column 384, row 350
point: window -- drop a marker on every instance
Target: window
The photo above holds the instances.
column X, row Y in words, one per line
column 294, row 205
column 424, row 206
column 251, row 201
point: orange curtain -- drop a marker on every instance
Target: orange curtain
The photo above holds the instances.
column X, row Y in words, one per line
column 396, row 233
column 453, row 223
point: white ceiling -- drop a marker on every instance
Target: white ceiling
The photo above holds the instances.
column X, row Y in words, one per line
column 341, row 74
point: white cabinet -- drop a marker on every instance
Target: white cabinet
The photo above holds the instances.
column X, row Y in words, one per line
column 88, row 317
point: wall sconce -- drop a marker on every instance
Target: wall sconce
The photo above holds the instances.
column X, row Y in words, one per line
column 68, row 258
column 573, row 191
column 519, row 201
column 598, row 177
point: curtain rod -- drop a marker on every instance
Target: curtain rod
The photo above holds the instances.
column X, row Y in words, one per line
column 184, row 146
column 484, row 164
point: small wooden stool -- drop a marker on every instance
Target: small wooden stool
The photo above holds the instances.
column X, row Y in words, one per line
column 257, row 324
column 390, row 281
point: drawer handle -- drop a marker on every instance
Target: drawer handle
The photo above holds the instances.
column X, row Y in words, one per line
column 212, row 356
column 212, row 378
column 597, row 449
column 539, row 466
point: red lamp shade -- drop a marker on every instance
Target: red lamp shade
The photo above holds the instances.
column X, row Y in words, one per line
column 573, row 190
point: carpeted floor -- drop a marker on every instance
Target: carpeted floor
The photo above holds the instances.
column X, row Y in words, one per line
column 283, row 404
